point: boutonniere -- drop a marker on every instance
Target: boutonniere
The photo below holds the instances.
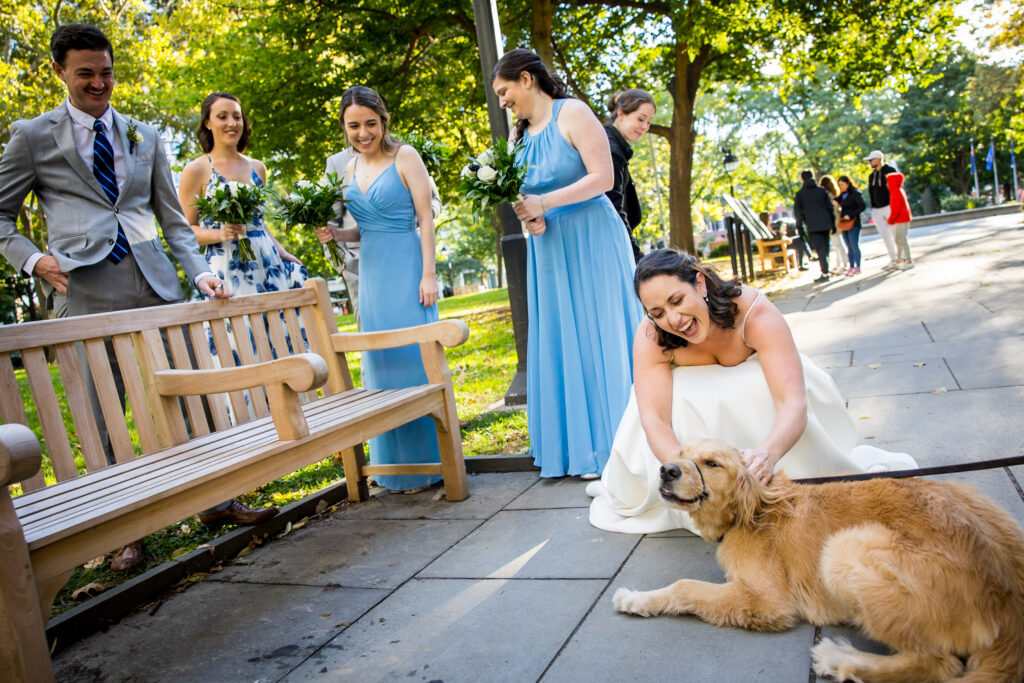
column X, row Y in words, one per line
column 134, row 136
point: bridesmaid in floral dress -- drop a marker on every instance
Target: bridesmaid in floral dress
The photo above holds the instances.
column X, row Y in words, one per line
column 223, row 135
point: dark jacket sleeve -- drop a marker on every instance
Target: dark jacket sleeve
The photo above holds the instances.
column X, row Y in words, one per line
column 798, row 213
column 620, row 170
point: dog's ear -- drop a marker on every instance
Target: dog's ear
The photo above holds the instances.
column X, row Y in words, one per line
column 749, row 492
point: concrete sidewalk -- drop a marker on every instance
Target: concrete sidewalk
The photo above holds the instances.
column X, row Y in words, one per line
column 514, row 584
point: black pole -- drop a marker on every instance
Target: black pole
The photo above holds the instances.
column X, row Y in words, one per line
column 513, row 241
column 732, row 244
column 750, row 251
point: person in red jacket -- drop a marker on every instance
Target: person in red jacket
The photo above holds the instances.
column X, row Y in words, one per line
column 899, row 219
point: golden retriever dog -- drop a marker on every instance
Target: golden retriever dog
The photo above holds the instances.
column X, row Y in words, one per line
column 933, row 570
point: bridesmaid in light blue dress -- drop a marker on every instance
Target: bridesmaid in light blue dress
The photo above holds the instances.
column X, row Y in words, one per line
column 580, row 301
column 388, row 193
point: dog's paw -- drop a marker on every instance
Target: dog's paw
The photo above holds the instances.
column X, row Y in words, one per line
column 633, row 602
column 834, row 659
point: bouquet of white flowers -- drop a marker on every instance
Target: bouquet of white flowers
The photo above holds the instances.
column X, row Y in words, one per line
column 493, row 177
column 311, row 205
column 434, row 154
column 232, row 202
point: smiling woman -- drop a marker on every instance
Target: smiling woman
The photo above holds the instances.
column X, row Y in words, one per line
column 716, row 359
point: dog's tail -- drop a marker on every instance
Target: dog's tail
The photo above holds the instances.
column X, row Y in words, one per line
column 1003, row 660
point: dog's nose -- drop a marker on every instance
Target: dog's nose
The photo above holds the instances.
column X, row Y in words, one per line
column 670, row 472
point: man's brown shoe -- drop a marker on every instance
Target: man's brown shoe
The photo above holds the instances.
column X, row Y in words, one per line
column 128, row 557
column 236, row 513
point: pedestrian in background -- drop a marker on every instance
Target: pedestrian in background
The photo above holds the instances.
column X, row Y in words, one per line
column 813, row 207
column 899, row 219
column 878, row 193
column 842, row 263
column 851, row 206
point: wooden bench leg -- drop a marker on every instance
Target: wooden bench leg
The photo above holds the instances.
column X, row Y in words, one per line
column 352, row 459
column 453, row 467
column 24, row 655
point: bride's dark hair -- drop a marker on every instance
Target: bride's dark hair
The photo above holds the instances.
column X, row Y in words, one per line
column 514, row 62
column 721, row 307
column 371, row 99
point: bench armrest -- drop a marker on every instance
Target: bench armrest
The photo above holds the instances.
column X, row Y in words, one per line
column 301, row 372
column 448, row 333
column 20, row 453
column 283, row 378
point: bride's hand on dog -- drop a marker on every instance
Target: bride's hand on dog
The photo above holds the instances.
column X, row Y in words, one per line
column 760, row 463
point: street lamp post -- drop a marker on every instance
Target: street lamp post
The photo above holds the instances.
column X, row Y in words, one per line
column 732, row 231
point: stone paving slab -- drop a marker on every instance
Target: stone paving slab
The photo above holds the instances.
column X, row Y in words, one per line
column 897, row 378
column 535, row 544
column 610, row 646
column 218, row 632
column 488, row 493
column 565, row 492
column 457, row 630
column 353, row 552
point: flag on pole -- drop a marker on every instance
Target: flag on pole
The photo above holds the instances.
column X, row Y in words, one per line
column 974, row 167
column 990, row 158
column 1013, row 159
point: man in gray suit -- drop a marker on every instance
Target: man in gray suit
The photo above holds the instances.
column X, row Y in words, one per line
column 104, row 182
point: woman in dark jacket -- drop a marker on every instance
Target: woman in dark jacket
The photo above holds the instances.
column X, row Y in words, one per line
column 631, row 114
column 851, row 205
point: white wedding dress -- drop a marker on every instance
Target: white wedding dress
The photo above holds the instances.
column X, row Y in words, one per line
column 732, row 404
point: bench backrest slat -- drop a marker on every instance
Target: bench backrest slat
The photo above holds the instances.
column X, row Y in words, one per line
column 135, row 391
column 12, row 411
column 243, row 333
column 110, row 405
column 180, row 360
column 226, row 359
column 204, row 361
column 48, row 409
column 81, row 409
column 170, row 425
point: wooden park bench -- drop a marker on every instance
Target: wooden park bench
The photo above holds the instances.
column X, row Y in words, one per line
column 276, row 396
column 772, row 250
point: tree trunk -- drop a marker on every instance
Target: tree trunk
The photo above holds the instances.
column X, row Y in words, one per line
column 682, row 136
column 541, row 18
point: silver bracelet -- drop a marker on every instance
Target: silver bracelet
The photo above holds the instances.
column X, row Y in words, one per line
column 543, row 206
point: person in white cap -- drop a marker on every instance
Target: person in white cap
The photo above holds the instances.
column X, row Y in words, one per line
column 879, row 198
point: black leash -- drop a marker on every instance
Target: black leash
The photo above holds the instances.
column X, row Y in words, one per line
column 922, row 472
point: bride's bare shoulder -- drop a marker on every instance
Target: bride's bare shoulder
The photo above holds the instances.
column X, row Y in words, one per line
column 646, row 349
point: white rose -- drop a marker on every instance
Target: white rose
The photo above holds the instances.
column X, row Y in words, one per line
column 294, row 197
column 486, row 174
column 467, row 172
column 485, row 158
column 303, row 184
column 233, row 187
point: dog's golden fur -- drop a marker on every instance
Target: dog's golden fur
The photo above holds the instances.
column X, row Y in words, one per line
column 933, row 570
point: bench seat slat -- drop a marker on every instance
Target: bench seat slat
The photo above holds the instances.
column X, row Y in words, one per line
column 418, row 400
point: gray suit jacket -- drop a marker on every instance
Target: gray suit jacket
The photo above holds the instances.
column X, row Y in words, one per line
column 41, row 157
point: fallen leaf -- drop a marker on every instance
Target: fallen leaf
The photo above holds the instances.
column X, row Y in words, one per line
column 87, row 591
column 342, row 623
column 865, row 417
column 287, row 530
column 940, row 390
column 869, row 437
column 325, row 614
column 244, row 563
column 919, row 365
column 178, row 552
column 184, row 529
column 244, row 551
column 197, row 577
column 299, row 524
column 874, row 365
column 321, row 505
column 95, row 562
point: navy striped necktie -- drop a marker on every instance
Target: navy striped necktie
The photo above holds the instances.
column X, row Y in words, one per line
column 103, row 169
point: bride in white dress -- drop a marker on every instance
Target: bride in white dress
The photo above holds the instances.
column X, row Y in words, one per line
column 717, row 359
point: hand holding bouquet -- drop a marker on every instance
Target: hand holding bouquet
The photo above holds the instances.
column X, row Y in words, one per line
column 311, row 205
column 493, row 177
column 235, row 203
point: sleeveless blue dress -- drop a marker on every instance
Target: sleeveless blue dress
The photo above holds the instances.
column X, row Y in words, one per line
column 390, row 270
column 582, row 316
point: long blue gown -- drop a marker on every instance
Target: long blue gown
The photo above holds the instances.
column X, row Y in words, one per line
column 582, row 316
column 390, row 270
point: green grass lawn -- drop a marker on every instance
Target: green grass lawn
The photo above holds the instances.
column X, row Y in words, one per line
column 482, row 369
